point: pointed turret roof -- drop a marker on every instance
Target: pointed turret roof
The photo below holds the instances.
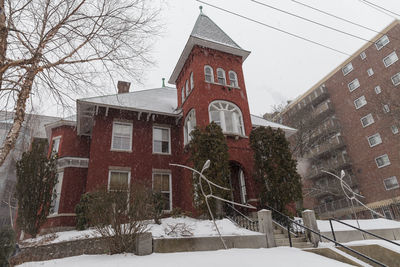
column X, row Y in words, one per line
column 207, row 34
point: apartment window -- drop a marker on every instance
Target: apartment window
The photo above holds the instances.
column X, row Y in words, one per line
column 386, row 108
column 374, row 140
column 395, row 129
column 347, row 69
column 228, row 116
column 396, row 79
column 367, row 120
column 190, row 124
column 391, row 183
column 56, row 145
column 183, row 94
column 359, row 102
column 370, row 72
column 191, row 81
column 121, row 136
column 187, row 87
column 162, row 185
column 363, row 55
column 382, row 161
column 55, row 203
column 118, row 180
column 384, row 40
column 161, row 140
column 390, row 59
column 378, row 90
column 233, row 79
column 221, row 76
column 208, row 74
column 354, row 85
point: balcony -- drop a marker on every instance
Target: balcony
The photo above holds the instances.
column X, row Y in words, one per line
column 322, row 111
column 327, row 128
column 330, row 185
column 331, row 145
column 332, row 165
column 318, row 95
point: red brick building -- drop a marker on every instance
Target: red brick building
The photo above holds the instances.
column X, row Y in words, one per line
column 355, row 114
column 128, row 136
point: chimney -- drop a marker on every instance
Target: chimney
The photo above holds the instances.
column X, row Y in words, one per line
column 123, row 87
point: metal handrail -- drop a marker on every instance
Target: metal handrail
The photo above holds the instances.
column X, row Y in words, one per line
column 359, row 229
column 232, row 207
column 327, row 238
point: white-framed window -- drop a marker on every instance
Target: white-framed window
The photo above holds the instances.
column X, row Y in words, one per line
column 121, row 136
column 228, row 116
column 396, row 79
column 183, row 94
column 187, row 87
column 118, row 180
column 190, row 124
column 378, row 90
column 353, row 85
column 363, row 55
column 367, row 120
column 374, row 140
column 162, row 183
column 191, row 81
column 161, row 140
column 360, row 102
column 395, row 129
column 382, row 161
column 347, row 69
column 56, row 145
column 242, row 185
column 208, row 74
column 233, row 79
column 390, row 59
column 370, row 72
column 386, row 108
column 384, row 40
column 55, row 202
column 391, row 183
column 221, row 78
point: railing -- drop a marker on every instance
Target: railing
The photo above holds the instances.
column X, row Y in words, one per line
column 293, row 222
column 359, row 229
column 241, row 219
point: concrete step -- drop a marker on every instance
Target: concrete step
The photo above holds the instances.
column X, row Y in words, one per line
column 277, row 231
column 280, row 236
column 294, row 239
column 295, row 244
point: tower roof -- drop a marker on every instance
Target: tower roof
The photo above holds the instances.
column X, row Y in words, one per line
column 207, row 34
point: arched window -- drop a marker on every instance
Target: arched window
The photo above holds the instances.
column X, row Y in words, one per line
column 183, row 94
column 190, row 124
column 191, row 81
column 228, row 116
column 233, row 79
column 208, row 74
column 221, row 76
column 187, row 88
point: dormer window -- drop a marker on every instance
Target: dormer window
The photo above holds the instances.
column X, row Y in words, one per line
column 191, row 81
column 233, row 79
column 221, row 76
column 228, row 116
column 208, row 74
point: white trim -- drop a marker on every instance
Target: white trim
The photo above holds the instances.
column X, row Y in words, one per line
column 186, row 132
column 370, row 72
column 74, row 162
column 224, row 76
column 191, row 78
column 347, row 68
column 363, row 55
column 120, row 171
column 236, row 79
column 396, row 76
column 395, row 129
column 378, row 89
column 395, row 58
column 369, row 115
column 164, row 172
column 61, row 215
column 384, row 37
column 169, row 140
column 382, row 156
column 212, row 73
column 395, row 187
column 377, row 135
column 239, row 120
column 350, row 84
column 56, row 138
column 130, row 124
column 360, row 100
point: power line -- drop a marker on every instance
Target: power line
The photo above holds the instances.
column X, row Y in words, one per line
column 378, row 6
column 274, row 28
column 377, row 9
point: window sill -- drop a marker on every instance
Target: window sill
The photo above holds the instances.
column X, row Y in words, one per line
column 120, row 150
column 160, row 153
column 225, row 85
column 55, row 215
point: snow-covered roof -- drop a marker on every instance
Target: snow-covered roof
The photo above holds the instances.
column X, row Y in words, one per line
column 207, row 34
column 259, row 121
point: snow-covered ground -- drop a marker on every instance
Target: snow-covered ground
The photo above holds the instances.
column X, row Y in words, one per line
column 370, row 224
column 169, row 228
column 282, row 257
column 381, row 243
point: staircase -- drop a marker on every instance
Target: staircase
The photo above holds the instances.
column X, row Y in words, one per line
column 282, row 239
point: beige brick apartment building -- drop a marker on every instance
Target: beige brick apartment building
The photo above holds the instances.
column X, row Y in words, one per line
column 350, row 121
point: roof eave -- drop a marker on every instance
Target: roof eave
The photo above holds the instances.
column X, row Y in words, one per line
column 206, row 43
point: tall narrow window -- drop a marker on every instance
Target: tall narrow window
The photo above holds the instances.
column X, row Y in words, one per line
column 386, row 108
column 162, row 185
column 370, row 72
column 208, row 74
column 221, row 76
column 191, row 81
column 228, row 116
column 233, row 79
column 121, row 136
column 190, row 124
column 395, row 129
column 187, row 87
column 378, row 90
column 55, row 203
column 56, row 145
column 183, row 94
column 118, row 180
column 161, row 140
column 363, row 55
column 242, row 184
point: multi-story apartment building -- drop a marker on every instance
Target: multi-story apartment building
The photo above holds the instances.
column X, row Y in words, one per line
column 350, row 121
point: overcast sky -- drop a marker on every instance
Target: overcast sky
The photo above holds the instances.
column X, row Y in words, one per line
column 280, row 67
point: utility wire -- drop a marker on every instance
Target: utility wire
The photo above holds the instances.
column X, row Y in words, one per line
column 378, row 6
column 274, row 28
column 377, row 9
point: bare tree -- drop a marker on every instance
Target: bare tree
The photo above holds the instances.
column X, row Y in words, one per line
column 60, row 47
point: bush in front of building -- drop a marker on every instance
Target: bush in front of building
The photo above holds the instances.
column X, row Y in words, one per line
column 81, row 211
column 7, row 245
